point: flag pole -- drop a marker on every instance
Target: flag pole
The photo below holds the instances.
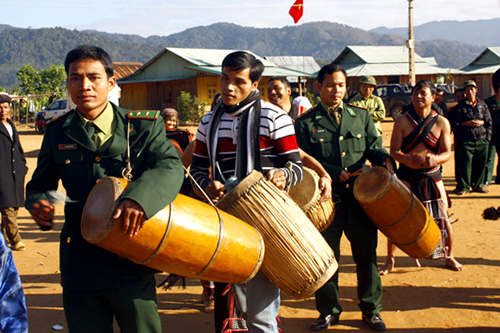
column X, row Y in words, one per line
column 303, row 58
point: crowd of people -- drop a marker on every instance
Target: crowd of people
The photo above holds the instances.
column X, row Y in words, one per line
column 335, row 138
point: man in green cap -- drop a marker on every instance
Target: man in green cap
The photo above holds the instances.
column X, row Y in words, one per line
column 473, row 132
column 374, row 104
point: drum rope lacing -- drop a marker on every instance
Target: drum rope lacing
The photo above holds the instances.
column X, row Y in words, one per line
column 221, row 225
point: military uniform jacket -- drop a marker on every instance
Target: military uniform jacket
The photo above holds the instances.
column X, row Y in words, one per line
column 67, row 153
column 345, row 148
column 12, row 168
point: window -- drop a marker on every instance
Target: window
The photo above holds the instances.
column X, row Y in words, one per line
column 381, row 92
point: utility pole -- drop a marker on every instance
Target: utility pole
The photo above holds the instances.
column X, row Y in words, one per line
column 411, row 44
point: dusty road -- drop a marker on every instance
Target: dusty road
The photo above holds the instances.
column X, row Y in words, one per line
column 427, row 299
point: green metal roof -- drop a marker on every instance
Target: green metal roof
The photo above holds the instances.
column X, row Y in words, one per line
column 175, row 63
column 132, row 80
column 209, row 57
column 476, row 69
column 486, row 63
column 376, row 55
column 299, row 63
column 384, row 61
column 394, row 69
column 268, row 71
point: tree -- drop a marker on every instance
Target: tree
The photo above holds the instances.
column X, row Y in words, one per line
column 44, row 86
column 29, row 79
column 189, row 107
column 52, row 80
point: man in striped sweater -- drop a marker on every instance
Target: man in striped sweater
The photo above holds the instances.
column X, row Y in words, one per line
column 244, row 133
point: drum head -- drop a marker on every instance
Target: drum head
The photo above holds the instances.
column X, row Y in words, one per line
column 372, row 184
column 240, row 190
column 98, row 211
column 306, row 193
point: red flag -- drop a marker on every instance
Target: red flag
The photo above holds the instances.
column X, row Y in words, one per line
column 297, row 10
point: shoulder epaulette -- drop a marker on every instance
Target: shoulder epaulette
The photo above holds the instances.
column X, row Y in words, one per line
column 54, row 119
column 355, row 106
column 143, row 114
column 306, row 112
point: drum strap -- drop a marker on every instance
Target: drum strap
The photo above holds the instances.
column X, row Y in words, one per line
column 127, row 172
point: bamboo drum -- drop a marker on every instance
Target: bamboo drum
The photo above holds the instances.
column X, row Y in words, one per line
column 398, row 214
column 188, row 237
column 298, row 260
column 306, row 194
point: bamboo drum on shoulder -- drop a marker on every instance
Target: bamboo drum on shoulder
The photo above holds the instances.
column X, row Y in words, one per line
column 298, row 259
column 398, row 214
column 188, row 237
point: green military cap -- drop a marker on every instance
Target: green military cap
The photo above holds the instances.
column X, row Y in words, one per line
column 368, row 79
column 143, row 114
column 470, row 83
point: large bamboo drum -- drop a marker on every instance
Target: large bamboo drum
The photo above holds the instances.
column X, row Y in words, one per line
column 306, row 194
column 188, row 237
column 397, row 213
column 298, row 259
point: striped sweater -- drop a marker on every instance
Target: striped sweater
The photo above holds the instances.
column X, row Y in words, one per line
column 278, row 145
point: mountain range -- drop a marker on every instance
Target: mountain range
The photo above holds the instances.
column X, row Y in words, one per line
column 446, row 41
column 481, row 32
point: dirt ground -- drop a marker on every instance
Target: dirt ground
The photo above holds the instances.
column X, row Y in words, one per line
column 427, row 299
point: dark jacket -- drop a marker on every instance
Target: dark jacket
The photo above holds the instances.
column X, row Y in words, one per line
column 67, row 153
column 465, row 111
column 495, row 117
column 12, row 168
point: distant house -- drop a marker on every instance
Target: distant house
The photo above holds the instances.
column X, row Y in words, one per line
column 298, row 63
column 122, row 69
column 481, row 70
column 160, row 81
column 388, row 64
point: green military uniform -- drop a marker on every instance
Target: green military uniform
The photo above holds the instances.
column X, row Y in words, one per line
column 337, row 148
column 87, row 271
column 494, row 145
column 375, row 106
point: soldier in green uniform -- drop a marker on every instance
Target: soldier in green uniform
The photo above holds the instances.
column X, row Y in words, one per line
column 342, row 137
column 80, row 148
column 374, row 104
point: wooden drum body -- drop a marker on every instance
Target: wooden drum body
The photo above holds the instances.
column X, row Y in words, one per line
column 306, row 194
column 298, row 259
column 397, row 213
column 188, row 237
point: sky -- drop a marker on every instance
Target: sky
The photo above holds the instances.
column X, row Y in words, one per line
column 156, row 17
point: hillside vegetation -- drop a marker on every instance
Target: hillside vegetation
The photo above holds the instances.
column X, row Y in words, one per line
column 322, row 40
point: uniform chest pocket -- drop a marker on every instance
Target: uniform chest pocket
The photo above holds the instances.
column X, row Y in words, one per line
column 322, row 144
column 355, row 141
column 68, row 157
column 320, row 136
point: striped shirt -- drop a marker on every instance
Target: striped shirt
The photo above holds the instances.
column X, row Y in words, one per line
column 278, row 145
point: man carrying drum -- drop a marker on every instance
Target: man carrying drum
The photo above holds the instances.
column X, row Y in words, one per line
column 421, row 142
column 97, row 140
column 244, row 133
column 278, row 93
column 341, row 137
